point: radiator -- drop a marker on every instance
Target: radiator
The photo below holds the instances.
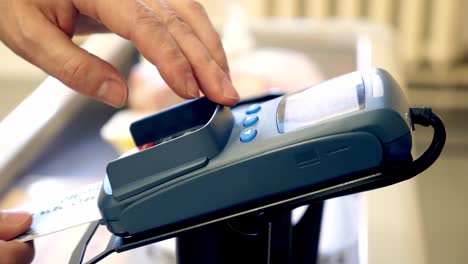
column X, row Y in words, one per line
column 430, row 30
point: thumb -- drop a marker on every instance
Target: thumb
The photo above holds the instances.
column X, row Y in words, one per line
column 13, row 224
column 51, row 49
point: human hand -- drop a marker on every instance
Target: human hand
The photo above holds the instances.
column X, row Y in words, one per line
column 174, row 35
column 13, row 224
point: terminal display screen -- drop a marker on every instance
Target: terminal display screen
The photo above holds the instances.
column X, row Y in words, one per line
column 329, row 99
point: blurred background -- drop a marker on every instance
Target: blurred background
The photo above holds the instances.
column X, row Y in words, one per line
column 423, row 43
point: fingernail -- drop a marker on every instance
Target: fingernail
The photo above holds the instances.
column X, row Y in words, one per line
column 112, row 93
column 191, row 86
column 228, row 89
column 14, row 218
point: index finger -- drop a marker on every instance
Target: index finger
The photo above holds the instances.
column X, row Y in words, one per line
column 195, row 15
column 134, row 20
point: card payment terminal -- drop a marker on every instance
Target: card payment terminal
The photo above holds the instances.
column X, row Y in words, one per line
column 201, row 162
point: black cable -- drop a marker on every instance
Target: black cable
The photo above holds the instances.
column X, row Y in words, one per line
column 425, row 117
column 420, row 116
column 80, row 249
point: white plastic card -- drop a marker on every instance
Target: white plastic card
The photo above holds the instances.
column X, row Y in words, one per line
column 76, row 208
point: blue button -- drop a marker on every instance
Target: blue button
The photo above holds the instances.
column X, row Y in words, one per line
column 250, row 120
column 253, row 109
column 248, row 134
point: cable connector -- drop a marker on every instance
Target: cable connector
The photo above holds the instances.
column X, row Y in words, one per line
column 421, row 116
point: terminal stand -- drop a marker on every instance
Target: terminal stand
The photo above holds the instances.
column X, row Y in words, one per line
column 265, row 237
column 260, row 238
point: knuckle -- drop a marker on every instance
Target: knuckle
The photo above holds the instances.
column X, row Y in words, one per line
column 26, row 33
column 73, row 73
column 181, row 67
column 177, row 26
column 176, row 62
column 217, row 51
column 217, row 42
column 170, row 50
column 172, row 20
column 178, row 67
column 207, row 64
column 145, row 16
column 224, row 66
column 196, row 6
column 222, row 62
column 217, row 47
column 146, row 23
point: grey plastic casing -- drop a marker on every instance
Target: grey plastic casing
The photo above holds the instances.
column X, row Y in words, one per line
column 271, row 167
